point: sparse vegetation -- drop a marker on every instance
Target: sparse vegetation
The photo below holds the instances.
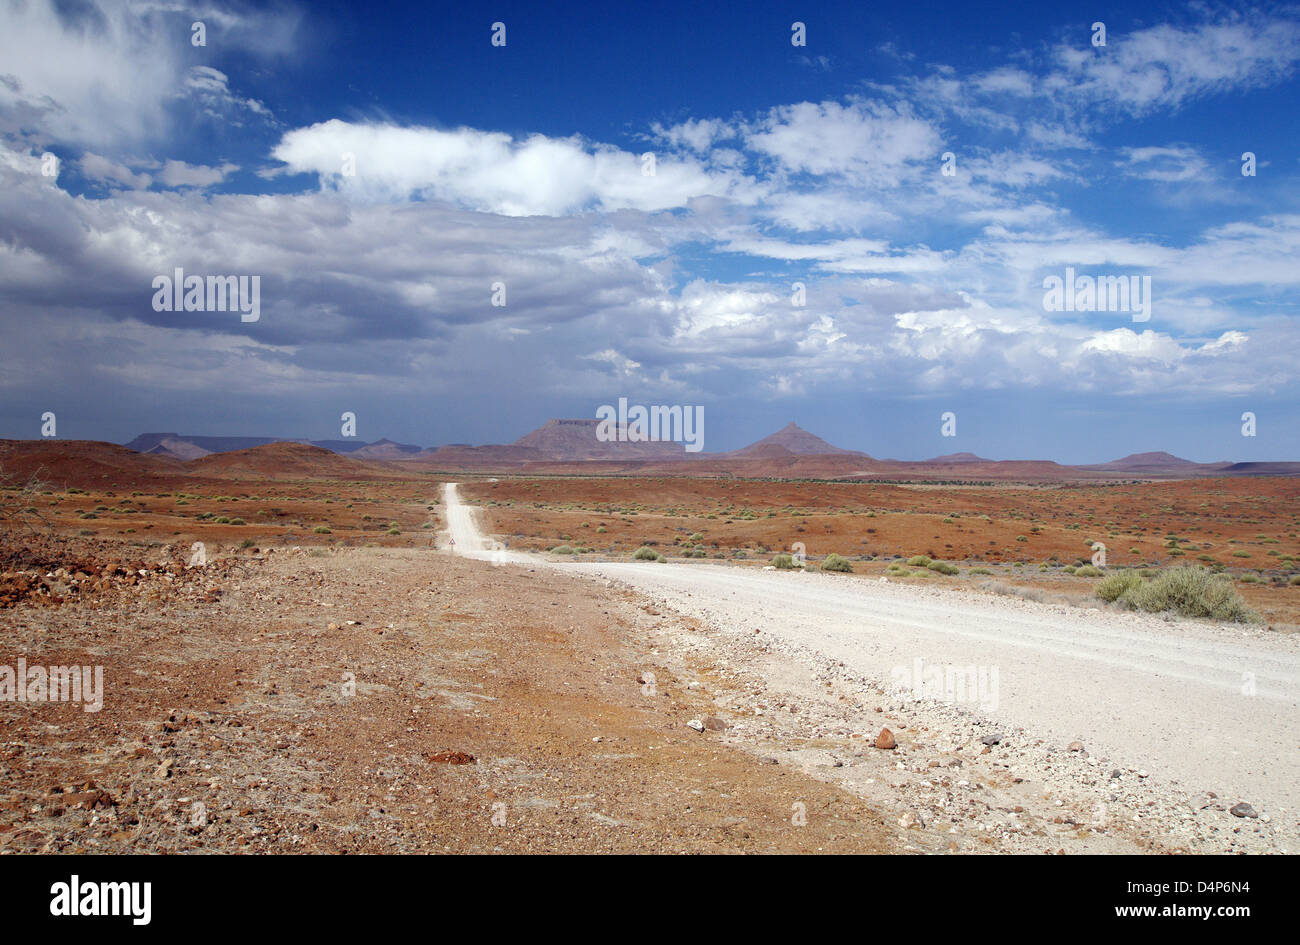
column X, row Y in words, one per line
column 834, row 562
column 1187, row 591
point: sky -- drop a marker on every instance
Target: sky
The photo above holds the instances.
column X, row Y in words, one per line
column 850, row 224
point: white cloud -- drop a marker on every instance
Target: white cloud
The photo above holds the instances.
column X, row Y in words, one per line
column 180, row 174
column 106, row 75
column 100, row 168
column 493, row 172
column 864, row 140
column 1167, row 66
column 1171, row 164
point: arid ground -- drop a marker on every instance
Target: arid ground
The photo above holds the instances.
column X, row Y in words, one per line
column 325, row 677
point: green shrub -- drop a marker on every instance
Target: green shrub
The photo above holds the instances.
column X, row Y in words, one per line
column 836, row 563
column 919, row 561
column 1295, row 580
column 563, row 550
column 645, row 553
column 1088, row 570
column 943, row 567
column 783, row 563
column 1190, row 592
column 319, row 530
column 1114, row 586
column 980, row 571
column 1250, row 579
column 237, row 521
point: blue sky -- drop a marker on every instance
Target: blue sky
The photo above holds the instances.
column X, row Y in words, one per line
column 773, row 165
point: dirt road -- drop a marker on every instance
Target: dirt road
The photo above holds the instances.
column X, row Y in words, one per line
column 1201, row 707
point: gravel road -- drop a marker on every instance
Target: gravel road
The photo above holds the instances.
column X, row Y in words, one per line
column 1202, row 706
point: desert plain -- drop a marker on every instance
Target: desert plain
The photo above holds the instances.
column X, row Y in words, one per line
column 298, row 656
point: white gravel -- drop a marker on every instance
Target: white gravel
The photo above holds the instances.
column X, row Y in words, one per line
column 1200, row 707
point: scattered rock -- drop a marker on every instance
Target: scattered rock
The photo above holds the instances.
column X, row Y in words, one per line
column 992, row 739
column 715, row 724
column 885, row 739
column 1075, row 746
column 1242, row 810
column 449, row 757
column 695, row 724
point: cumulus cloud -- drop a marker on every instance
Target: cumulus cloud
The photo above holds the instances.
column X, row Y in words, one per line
column 494, row 172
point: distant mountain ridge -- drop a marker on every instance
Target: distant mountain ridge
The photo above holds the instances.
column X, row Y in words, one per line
column 573, row 445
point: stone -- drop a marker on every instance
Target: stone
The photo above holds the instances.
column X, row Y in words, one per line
column 1242, row 810
column 695, row 724
column 992, row 739
column 885, row 740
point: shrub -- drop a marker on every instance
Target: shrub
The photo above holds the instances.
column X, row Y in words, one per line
column 980, row 571
column 563, row 550
column 836, row 563
column 919, row 561
column 394, row 531
column 1114, row 586
column 1250, row 579
column 319, row 530
column 247, row 543
column 1295, row 580
column 943, row 567
column 1190, row 592
column 1088, row 570
column 783, row 563
column 645, row 553
column 237, row 521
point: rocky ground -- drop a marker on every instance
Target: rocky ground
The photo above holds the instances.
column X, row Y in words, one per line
column 953, row 781
column 375, row 700
column 387, row 700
